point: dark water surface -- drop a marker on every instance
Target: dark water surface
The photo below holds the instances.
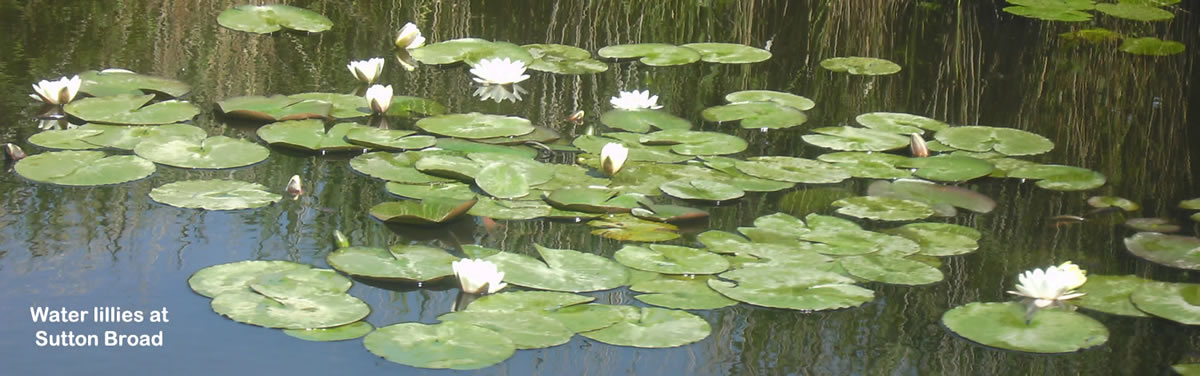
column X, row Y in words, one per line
column 1123, row 115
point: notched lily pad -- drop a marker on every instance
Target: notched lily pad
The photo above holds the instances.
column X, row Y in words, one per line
column 430, row 211
column 649, row 327
column 1171, row 250
column 309, row 135
column 563, row 59
column 860, row 65
column 1007, row 141
column 671, row 259
column 452, row 345
column 526, row 330
column 856, row 139
column 640, row 121
column 729, row 53
column 1060, row 178
column 629, row 228
column 893, row 270
column 214, row 195
column 1179, row 302
column 264, row 19
column 680, row 293
column 883, row 208
column 275, row 108
column 1003, row 325
column 755, row 115
column 901, row 123
column 106, row 83
column 83, row 168
column 65, row 139
column 790, row 169
column 1152, row 46
column 217, row 152
column 789, row 288
column 128, row 137
column 237, row 276
column 561, row 270
column 475, row 125
column 653, row 54
column 411, row 263
column 1110, row 294
column 346, row 332
column 131, row 110
column 940, row 239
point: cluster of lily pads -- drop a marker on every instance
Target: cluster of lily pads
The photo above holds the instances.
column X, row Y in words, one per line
column 1079, row 11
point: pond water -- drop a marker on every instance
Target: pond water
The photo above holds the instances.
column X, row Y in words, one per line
column 1123, row 115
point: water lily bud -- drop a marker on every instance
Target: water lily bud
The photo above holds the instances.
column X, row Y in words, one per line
column 294, row 187
column 14, row 152
column 340, row 239
column 612, row 157
column 409, row 37
column 917, row 146
column 57, row 92
column 576, row 117
column 366, row 71
column 379, row 98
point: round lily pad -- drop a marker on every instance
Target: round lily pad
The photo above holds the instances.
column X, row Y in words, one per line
column 629, row 228
column 288, row 311
column 215, row 152
column 1110, row 294
column 433, row 210
column 502, row 180
column 389, row 139
column 855, row 139
column 1152, row 46
column 1113, row 201
column 214, row 195
column 1133, row 11
column 1191, row 204
column 1160, row 225
column 346, row 332
column 588, row 317
column 561, row 270
column 777, row 97
column 309, row 135
column 1060, row 178
column 789, row 288
column 942, row 198
column 65, row 139
column 1005, row 141
column 640, row 121
column 653, row 54
column 893, row 270
column 701, row 190
column 754, row 115
column 264, row 19
column 1186, row 369
column 729, row 53
column 901, row 123
column 397, row 167
column 128, row 137
column 398, row 263
column 526, row 330
column 83, row 168
column 671, row 259
column 452, row 345
column 790, row 169
column 860, row 65
column 236, row 276
column 1170, row 250
column 649, row 327
column 115, row 82
column 450, row 190
column 131, row 110
column 475, row 125
column 586, row 200
column 949, row 168
column 940, row 239
column 347, row 106
column 1065, row 11
column 688, row 142
column 563, row 59
column 680, row 293
column 275, row 108
column 1179, row 302
column 1003, row 325
column 470, row 51
column 883, row 208
column 537, row 301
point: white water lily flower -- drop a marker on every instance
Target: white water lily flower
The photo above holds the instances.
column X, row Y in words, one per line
column 294, row 186
column 366, row 70
column 379, row 98
column 612, row 157
column 409, row 37
column 1050, row 285
column 635, row 100
column 499, row 71
column 57, row 92
column 476, row 276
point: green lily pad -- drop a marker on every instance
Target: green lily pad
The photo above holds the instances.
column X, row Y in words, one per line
column 856, row 139
column 1003, row 325
column 346, row 106
column 1060, row 178
column 131, row 110
column 794, row 170
column 214, row 195
column 629, row 228
column 217, row 152
column 777, row 97
column 893, row 270
column 637, row 152
column 754, row 115
column 848, row 239
column 346, row 332
column 688, row 142
column 1110, row 294
column 1152, row 46
column 860, row 65
column 526, row 330
column 502, row 180
column 128, row 137
column 1113, row 201
column 275, row 108
column 868, row 165
column 1005, row 141
column 397, row 167
column 300, row 282
column 789, row 288
column 309, row 135
column 588, row 317
column 510, row 210
column 535, row 301
column 1136, row 12
column 949, row 168
column 671, row 259
column 533, row 171
column 640, row 121
column 388, row 139
column 1179, row 302
column 883, row 208
column 652, row 54
column 115, row 82
column 291, row 311
column 412, row 263
column 429, row 211
column 1171, row 250
column 237, row 276
column 265, row 19
column 900, row 122
column 563, row 59
column 942, row 198
column 1066, row 11
column 701, row 190
column 452, row 345
column 562, row 270
column 729, row 53
column 65, row 139
column 1159, row 225
column 1191, row 204
column 470, row 51
column 680, row 293
column 649, row 327
column 83, row 168
column 450, row 190
column 475, row 125
column 1186, row 369
column 940, row 239
column 590, row 200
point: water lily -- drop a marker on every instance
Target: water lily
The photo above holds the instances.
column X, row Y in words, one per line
column 917, row 146
column 635, row 100
column 409, row 37
column 57, row 92
column 294, row 187
column 379, row 98
column 14, row 152
column 500, row 93
column 477, row 276
column 612, row 157
column 1056, row 283
column 366, row 70
column 499, row 71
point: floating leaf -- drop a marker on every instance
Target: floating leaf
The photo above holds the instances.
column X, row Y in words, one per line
column 1110, row 294
column 113, row 82
column 1060, row 178
column 508, row 209
column 640, row 121
column 649, row 327
column 1113, row 201
column 789, row 169
column 940, row 239
column 629, row 228
column 901, row 123
column 868, row 165
column 214, row 195
column 588, row 317
column 1191, row 204
column 346, row 332
column 1187, row 369
column 1152, row 46
column 352, row 106
column 526, row 330
column 1160, row 225
column 475, row 125
column 590, row 200
column 449, row 190
column 389, row 139
column 847, row 239
column 65, row 139
column 412, row 263
column 883, row 208
column 652, row 54
column 536, row 301
column 701, row 190
column 949, row 168
column 1068, row 11
column 777, row 97
column 309, row 135
column 397, row 167
column 429, row 211
column 1172, row 301
column 215, row 152
column 563, row 59
column 1003, row 325
column 128, row 137
column 452, row 345
column 290, row 311
column 237, row 276
column 83, row 168
column 755, row 115
column 637, row 151
column 942, row 198
column 893, row 270
column 264, row 19
column 808, row 290
column 1170, row 250
column 860, row 65
column 470, row 51
column 671, row 259
column 680, row 293
column 856, row 139
column 729, row 53
column 275, row 108
column 1136, row 12
column 502, row 180
column 1005, row 141
column 131, row 110
column 695, row 142
column 669, row 213
column 562, row 270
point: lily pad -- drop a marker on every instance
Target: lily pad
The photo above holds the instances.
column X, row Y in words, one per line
column 346, row 106
column 688, row 142
column 588, row 317
column 397, row 167
column 1152, row 46
column 701, row 190
column 680, row 293
column 855, row 139
column 128, row 137
column 755, row 115
column 1179, row 302
column 629, row 228
column 1136, row 12
column 637, row 151
column 846, row 238
column 275, row 108
column 65, row 139
column 389, row 139
column 237, row 276
column 1191, row 204
column 671, row 259
column 940, row 239
column 449, row 190
column 83, row 168
column 893, row 270
column 526, row 330
column 640, row 121
column 131, row 110
column 290, row 311
column 1171, row 250
column 590, row 200
column 217, row 152
column 777, row 97
column 729, row 53
column 789, row 288
column 475, row 125
column 411, row 263
column 452, row 345
column 883, row 208
column 942, row 198
column 1066, row 11
column 668, row 213
column 868, row 165
column 649, row 327
column 561, row 270
column 470, row 51
column 510, row 209
column 263, row 19
column 949, row 168
column 652, row 54
column 563, row 59
column 1159, row 225
column 1005, row 141
column 901, row 123
column 535, row 301
column 1060, row 178
column 502, row 180
column 113, row 82
column 1110, row 294
column 860, row 65
column 430, row 211
column 794, row 170
column 1113, row 201
column 1003, row 325
column 214, row 195
column 309, row 135
column 346, row 332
